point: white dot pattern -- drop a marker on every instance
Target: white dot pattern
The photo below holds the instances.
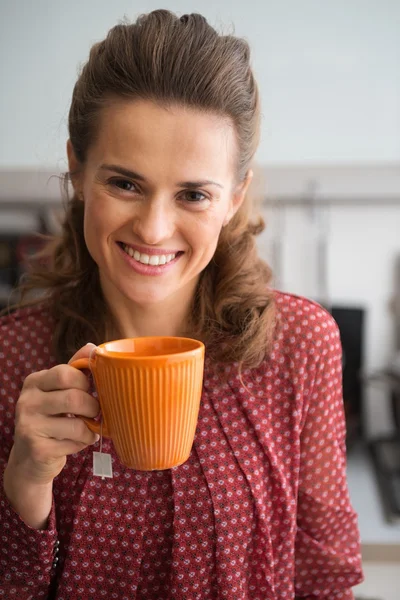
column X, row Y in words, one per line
column 260, row 511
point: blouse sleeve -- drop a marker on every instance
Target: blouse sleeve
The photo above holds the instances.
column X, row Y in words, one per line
column 26, row 555
column 328, row 559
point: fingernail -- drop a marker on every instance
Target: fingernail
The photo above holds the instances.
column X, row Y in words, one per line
column 90, row 344
column 97, row 438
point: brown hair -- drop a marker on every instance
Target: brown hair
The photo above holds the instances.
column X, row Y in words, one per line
column 182, row 61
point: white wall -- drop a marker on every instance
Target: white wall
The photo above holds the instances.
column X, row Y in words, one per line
column 360, row 267
column 329, row 74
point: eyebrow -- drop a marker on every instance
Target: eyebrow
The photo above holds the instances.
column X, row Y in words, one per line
column 134, row 175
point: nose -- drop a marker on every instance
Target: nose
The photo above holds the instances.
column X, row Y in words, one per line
column 155, row 221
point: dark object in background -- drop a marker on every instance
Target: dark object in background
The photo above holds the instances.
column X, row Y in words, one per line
column 385, row 450
column 15, row 251
column 351, row 322
column 385, row 453
column 9, row 271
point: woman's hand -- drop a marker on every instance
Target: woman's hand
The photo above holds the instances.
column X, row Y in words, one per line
column 45, row 435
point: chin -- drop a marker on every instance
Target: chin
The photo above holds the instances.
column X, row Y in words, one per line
column 145, row 297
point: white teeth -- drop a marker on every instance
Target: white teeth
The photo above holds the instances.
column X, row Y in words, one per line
column 153, row 260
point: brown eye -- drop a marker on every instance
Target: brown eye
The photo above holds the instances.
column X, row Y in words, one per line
column 124, row 185
column 194, row 196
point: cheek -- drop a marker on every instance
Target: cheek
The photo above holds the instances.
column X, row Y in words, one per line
column 98, row 224
column 205, row 235
column 101, row 218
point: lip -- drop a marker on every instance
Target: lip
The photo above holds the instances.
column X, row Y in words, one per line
column 150, row 251
column 147, row 269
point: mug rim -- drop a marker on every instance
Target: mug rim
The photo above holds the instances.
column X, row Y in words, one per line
column 131, row 356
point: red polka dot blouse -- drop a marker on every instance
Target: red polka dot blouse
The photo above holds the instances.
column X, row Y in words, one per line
column 260, row 511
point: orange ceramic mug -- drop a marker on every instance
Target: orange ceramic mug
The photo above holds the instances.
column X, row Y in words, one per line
column 149, row 392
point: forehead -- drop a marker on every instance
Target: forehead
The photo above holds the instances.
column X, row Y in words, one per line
column 172, row 139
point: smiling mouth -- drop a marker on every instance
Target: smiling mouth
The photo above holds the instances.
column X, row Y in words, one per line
column 154, row 260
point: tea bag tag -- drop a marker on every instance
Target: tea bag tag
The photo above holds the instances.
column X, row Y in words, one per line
column 102, row 465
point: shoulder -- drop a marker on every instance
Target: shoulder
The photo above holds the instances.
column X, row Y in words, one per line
column 26, row 338
column 25, row 347
column 307, row 339
column 27, row 319
column 306, row 358
column 304, row 322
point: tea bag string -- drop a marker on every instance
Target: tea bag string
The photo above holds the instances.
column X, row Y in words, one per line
column 92, row 352
column 102, row 463
column 101, row 435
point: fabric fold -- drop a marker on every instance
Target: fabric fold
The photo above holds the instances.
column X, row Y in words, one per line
column 193, row 553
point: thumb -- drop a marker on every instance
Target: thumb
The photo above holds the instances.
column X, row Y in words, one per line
column 84, row 352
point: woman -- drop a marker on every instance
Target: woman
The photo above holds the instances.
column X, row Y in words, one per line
column 157, row 239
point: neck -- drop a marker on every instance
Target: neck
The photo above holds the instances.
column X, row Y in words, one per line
column 148, row 321
column 168, row 318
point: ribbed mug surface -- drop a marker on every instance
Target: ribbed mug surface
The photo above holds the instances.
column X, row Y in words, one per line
column 150, row 402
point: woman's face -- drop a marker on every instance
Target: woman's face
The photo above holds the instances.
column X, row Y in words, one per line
column 158, row 186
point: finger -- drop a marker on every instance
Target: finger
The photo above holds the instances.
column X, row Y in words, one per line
column 84, row 352
column 59, row 448
column 72, row 401
column 61, row 377
column 72, row 429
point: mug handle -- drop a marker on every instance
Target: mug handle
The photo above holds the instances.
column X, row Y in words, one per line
column 101, row 429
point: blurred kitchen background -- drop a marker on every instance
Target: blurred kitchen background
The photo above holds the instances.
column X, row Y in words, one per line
column 328, row 179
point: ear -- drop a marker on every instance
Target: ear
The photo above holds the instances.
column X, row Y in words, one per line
column 239, row 195
column 74, row 168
